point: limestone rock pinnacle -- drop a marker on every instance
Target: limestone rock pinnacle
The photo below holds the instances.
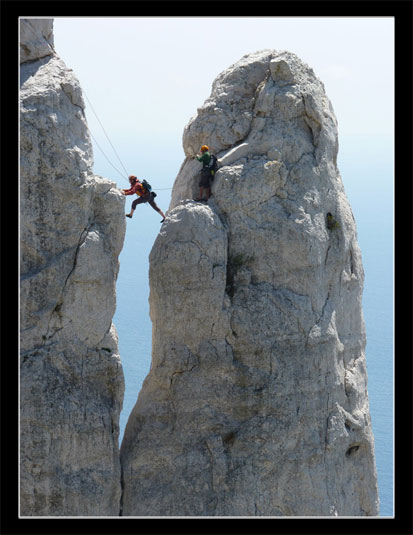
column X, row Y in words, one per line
column 71, row 233
column 256, row 403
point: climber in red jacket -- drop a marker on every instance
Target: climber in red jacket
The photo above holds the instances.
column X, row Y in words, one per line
column 143, row 190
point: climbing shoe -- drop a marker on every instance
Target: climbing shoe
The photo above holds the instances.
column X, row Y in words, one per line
column 128, row 215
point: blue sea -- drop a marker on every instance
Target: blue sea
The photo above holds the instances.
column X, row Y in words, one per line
column 366, row 168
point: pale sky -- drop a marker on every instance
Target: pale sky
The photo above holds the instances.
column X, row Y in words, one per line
column 146, row 76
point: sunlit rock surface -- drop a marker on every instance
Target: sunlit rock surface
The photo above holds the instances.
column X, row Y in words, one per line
column 256, row 403
column 71, row 233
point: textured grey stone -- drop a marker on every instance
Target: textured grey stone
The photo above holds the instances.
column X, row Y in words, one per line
column 256, row 403
column 36, row 39
column 71, row 233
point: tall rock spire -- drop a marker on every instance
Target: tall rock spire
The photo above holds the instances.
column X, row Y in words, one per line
column 256, row 403
column 71, row 233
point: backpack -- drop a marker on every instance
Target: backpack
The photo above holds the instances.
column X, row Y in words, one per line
column 213, row 165
column 148, row 187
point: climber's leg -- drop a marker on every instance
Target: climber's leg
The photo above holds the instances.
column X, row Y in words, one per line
column 201, row 193
column 137, row 201
column 156, row 207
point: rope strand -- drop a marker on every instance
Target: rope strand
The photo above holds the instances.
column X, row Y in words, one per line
column 114, row 150
column 29, row 25
column 101, row 150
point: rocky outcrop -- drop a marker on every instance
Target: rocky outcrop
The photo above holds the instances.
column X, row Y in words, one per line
column 71, row 233
column 256, row 403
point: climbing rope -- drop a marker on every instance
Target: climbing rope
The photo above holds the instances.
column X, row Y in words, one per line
column 36, row 35
column 107, row 137
column 114, row 150
column 127, row 174
column 102, row 151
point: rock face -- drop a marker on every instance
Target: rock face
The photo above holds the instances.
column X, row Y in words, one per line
column 71, row 233
column 256, row 402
